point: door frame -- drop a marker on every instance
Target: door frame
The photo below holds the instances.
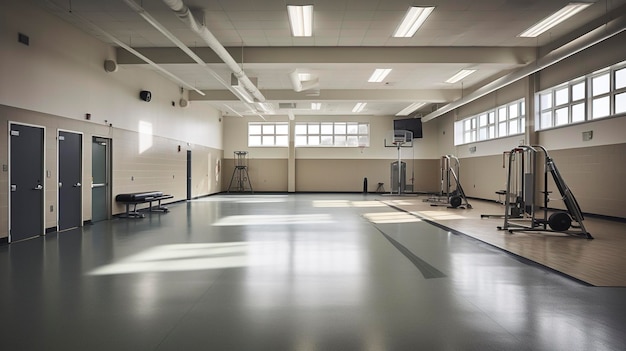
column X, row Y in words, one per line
column 109, row 175
column 43, row 176
column 82, row 174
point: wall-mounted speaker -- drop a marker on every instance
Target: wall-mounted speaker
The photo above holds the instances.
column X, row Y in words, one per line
column 183, row 103
column 110, row 66
column 145, row 95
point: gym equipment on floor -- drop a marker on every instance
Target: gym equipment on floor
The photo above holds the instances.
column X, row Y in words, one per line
column 521, row 210
column 240, row 174
column 451, row 194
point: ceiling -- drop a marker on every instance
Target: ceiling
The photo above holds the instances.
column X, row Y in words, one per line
column 351, row 38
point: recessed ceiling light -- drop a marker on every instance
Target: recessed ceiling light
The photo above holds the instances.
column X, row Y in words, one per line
column 316, row 106
column 459, row 76
column 379, row 75
column 561, row 15
column 301, row 20
column 359, row 107
column 409, row 109
column 413, row 19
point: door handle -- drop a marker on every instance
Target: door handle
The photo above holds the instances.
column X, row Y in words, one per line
column 38, row 187
column 77, row 185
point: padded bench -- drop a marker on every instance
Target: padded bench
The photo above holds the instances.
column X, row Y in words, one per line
column 133, row 199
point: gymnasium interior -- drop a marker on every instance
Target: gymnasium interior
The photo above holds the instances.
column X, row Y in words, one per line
column 312, row 175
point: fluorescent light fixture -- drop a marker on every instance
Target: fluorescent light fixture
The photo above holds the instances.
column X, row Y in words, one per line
column 379, row 75
column 409, row 109
column 411, row 22
column 316, row 106
column 459, row 76
column 561, row 15
column 359, row 107
column 301, row 20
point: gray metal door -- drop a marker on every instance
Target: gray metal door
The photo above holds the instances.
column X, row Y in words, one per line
column 100, row 174
column 27, row 180
column 188, row 174
column 70, row 180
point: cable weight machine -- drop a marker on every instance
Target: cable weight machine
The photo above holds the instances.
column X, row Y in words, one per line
column 451, row 193
column 521, row 212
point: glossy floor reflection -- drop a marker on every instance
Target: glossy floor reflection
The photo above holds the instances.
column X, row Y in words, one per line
column 290, row 272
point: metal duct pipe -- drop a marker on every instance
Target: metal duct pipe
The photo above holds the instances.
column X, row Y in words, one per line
column 184, row 13
column 584, row 42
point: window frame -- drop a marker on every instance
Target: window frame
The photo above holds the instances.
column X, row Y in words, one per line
column 332, row 134
column 264, row 133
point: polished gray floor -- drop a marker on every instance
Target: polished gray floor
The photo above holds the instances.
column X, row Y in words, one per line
column 297, row 272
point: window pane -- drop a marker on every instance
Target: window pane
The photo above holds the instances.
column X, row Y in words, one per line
column 364, row 141
column 546, row 120
column 601, row 107
column 522, row 106
column 254, row 129
column 314, row 128
column 300, row 140
column 561, row 96
column 473, row 137
column 326, row 128
column 340, row 140
column 340, row 128
column 545, row 100
column 620, row 78
column 561, row 116
column 467, row 125
column 620, row 103
column 523, row 125
column 492, row 117
column 578, row 112
column 483, row 120
column 326, row 140
column 363, row 128
column 300, row 129
column 473, row 120
column 353, row 140
column 314, row 140
column 502, row 129
column 268, row 129
column 600, row 84
column 482, row 134
column 282, row 129
column 578, row 91
column 502, row 114
column 282, row 140
column 492, row 132
column 513, row 113
column 467, row 137
column 268, row 140
column 254, row 140
column 513, row 127
column 353, row 128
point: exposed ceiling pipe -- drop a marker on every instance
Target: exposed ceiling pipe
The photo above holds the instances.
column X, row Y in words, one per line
column 583, row 42
column 158, row 26
column 184, row 13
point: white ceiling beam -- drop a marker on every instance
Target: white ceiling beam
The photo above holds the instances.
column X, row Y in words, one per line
column 274, row 55
column 425, row 95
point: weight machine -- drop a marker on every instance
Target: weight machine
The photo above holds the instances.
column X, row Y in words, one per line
column 521, row 212
column 450, row 168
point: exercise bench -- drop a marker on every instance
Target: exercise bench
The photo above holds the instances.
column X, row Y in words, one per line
column 134, row 199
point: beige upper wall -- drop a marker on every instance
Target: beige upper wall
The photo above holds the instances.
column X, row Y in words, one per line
column 61, row 73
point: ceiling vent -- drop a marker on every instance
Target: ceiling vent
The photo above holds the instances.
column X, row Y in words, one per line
column 286, row 105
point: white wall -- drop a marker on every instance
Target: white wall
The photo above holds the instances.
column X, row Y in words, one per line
column 61, row 73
